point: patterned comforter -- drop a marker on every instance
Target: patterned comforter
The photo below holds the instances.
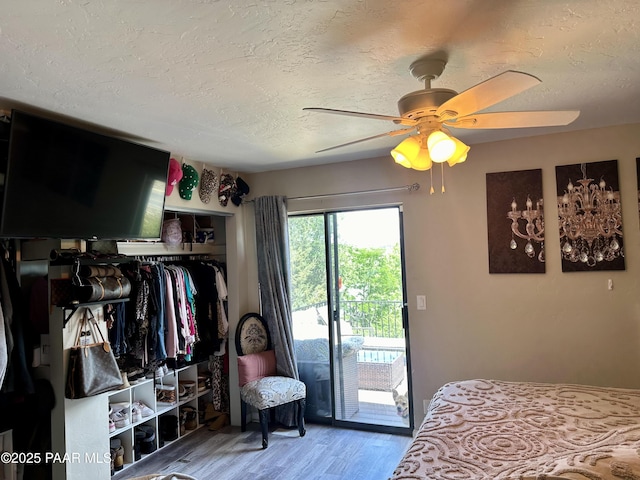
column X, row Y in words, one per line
column 495, row 430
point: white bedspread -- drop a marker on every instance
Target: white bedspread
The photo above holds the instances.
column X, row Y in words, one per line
column 487, row 429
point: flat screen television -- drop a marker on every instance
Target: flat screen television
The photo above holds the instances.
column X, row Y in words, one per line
column 66, row 182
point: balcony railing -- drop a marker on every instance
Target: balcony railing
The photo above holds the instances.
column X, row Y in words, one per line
column 381, row 319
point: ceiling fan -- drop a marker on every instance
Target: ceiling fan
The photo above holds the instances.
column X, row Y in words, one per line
column 428, row 113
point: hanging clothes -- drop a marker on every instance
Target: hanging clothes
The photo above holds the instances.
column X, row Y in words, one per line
column 158, row 290
column 223, row 323
column 171, row 334
column 211, row 311
column 115, row 318
column 17, row 377
column 4, row 353
column 179, row 312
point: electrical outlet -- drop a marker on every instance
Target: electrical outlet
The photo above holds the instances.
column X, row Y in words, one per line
column 421, row 302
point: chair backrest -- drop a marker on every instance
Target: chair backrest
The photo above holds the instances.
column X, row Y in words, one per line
column 252, row 335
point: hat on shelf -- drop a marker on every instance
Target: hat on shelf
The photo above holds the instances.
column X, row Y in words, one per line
column 242, row 189
column 227, row 188
column 189, row 181
column 208, row 184
column 174, row 176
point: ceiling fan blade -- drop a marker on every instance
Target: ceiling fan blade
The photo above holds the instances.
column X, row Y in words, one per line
column 398, row 120
column 551, row 118
column 393, row 133
column 487, row 93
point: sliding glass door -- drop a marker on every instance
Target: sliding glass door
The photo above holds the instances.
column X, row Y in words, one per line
column 349, row 317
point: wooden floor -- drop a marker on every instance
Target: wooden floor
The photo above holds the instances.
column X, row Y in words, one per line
column 324, row 453
column 377, row 408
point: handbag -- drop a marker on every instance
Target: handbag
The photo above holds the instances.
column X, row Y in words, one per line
column 92, row 368
column 94, row 283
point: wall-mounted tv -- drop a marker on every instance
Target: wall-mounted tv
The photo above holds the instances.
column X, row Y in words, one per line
column 70, row 183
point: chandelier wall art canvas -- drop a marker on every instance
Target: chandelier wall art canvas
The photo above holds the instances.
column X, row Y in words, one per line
column 515, row 222
column 590, row 217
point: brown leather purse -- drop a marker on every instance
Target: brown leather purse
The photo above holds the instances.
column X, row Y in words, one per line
column 92, row 367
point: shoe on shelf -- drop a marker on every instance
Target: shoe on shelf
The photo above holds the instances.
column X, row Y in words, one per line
column 189, row 387
column 120, row 414
column 204, row 382
column 135, row 375
column 125, row 381
column 120, row 418
column 182, row 391
column 136, row 414
column 117, row 454
column 142, row 408
column 158, row 372
column 117, row 406
column 112, row 425
column 190, row 417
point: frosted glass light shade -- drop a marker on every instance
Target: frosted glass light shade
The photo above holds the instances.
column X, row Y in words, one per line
column 460, row 153
column 410, row 153
column 441, row 146
column 406, row 151
column 422, row 161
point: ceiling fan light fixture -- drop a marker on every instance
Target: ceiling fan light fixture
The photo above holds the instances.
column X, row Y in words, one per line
column 441, row 146
column 422, row 161
column 406, row 151
column 460, row 153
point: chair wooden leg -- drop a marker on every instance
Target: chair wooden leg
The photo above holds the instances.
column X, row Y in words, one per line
column 264, row 426
column 243, row 416
column 301, row 406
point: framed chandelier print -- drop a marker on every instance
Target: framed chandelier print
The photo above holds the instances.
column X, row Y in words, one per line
column 515, row 222
column 590, row 217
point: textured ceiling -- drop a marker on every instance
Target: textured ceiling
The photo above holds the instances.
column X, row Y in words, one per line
column 224, row 82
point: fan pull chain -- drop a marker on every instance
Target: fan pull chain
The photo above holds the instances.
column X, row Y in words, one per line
column 442, row 168
column 432, row 191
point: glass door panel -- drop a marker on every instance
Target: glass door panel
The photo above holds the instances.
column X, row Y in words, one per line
column 310, row 308
column 362, row 379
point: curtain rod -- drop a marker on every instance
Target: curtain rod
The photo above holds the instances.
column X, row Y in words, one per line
column 411, row 188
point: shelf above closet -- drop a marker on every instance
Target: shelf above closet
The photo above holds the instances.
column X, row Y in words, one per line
column 190, row 223
column 160, row 248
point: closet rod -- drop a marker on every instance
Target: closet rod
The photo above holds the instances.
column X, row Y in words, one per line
column 411, row 188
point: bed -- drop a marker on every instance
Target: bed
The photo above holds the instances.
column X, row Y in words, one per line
column 488, row 429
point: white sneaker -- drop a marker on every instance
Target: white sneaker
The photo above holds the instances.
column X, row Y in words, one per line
column 115, row 407
column 136, row 414
column 158, row 372
column 144, row 410
column 120, row 418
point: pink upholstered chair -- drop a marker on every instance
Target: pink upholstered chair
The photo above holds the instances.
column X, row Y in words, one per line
column 260, row 386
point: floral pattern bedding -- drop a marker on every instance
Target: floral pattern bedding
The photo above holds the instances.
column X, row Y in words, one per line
column 496, row 430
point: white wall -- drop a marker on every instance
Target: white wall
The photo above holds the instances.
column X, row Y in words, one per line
column 555, row 327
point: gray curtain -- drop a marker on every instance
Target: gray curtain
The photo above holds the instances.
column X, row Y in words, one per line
column 274, row 277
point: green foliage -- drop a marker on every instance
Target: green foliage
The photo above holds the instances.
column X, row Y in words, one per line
column 308, row 266
column 370, row 273
column 371, row 278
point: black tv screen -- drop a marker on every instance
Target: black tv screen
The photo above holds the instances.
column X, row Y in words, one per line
column 70, row 183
